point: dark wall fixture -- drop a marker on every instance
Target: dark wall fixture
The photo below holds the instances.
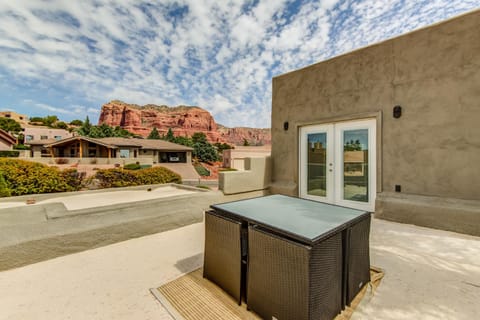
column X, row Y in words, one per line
column 397, row 112
column 285, row 125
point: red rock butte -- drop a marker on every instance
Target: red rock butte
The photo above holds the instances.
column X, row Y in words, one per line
column 183, row 120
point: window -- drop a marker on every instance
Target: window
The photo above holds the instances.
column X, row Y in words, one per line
column 28, row 137
column 124, row 153
column 43, row 137
column 58, row 137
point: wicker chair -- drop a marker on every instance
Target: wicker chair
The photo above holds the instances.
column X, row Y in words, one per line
column 358, row 263
column 289, row 280
column 223, row 254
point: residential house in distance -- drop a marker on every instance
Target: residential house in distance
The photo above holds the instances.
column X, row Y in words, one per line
column 7, row 141
column 235, row 158
column 392, row 128
column 87, row 150
column 40, row 133
column 20, row 118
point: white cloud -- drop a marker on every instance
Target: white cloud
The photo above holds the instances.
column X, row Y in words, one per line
column 212, row 53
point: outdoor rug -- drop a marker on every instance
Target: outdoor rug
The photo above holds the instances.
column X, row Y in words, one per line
column 191, row 297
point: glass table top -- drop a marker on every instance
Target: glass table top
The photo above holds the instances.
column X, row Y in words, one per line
column 301, row 218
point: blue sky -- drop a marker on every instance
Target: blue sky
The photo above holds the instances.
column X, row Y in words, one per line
column 70, row 57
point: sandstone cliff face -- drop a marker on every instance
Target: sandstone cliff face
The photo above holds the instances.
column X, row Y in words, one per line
column 183, row 120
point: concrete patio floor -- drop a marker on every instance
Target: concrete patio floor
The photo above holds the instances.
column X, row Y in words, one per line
column 429, row 274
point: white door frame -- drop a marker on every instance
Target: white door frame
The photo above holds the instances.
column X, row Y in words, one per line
column 303, row 165
column 335, row 166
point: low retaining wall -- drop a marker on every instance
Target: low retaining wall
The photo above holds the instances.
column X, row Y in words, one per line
column 257, row 176
column 456, row 215
column 30, row 234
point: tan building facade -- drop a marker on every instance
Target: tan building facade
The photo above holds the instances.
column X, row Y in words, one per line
column 34, row 133
column 392, row 128
column 20, row 118
column 235, row 158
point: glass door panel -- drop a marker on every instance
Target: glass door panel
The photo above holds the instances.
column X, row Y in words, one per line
column 317, row 164
column 337, row 163
column 355, row 165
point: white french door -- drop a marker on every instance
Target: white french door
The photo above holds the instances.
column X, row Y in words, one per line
column 337, row 163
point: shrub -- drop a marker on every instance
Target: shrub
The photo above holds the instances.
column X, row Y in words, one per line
column 21, row 147
column 4, row 191
column 132, row 166
column 201, row 170
column 9, row 154
column 73, row 178
column 109, row 178
column 25, row 177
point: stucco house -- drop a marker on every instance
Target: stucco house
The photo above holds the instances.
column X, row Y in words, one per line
column 235, row 158
column 392, row 128
column 7, row 141
column 80, row 149
column 34, row 133
column 20, row 118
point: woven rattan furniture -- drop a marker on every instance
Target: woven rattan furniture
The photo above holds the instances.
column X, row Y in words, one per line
column 223, row 254
column 288, row 280
column 304, row 261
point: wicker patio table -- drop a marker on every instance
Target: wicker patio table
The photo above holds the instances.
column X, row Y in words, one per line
column 304, row 259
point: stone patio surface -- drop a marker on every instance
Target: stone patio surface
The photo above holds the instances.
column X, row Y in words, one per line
column 429, row 274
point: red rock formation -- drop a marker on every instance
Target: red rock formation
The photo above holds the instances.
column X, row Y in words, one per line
column 183, row 120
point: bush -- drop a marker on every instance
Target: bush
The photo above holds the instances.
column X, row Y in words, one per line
column 109, row 178
column 73, row 178
column 9, row 154
column 132, row 166
column 4, row 191
column 25, row 177
column 21, row 147
column 201, row 170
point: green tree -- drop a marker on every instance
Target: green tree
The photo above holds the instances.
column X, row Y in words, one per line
column 222, row 146
column 61, row 125
column 245, row 142
column 50, row 120
column 84, row 130
column 76, row 122
column 36, row 119
column 199, row 137
column 185, row 141
column 10, row 125
column 202, row 149
column 154, row 134
column 170, row 137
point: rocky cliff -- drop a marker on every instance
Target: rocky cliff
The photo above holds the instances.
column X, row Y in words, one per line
column 183, row 120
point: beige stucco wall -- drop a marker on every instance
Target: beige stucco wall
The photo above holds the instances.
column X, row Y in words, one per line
column 433, row 150
column 255, row 177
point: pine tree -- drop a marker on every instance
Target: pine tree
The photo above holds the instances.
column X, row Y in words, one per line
column 154, row 134
column 170, row 137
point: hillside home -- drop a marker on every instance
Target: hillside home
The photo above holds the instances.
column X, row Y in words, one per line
column 392, row 128
column 108, row 150
column 7, row 141
column 20, row 118
column 38, row 134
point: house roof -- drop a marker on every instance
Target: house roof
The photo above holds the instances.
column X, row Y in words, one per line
column 154, row 144
column 68, row 140
column 115, row 143
column 4, row 135
column 40, row 142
